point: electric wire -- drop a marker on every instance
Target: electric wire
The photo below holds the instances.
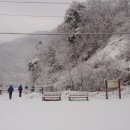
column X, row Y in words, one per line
column 15, row 33
column 46, row 2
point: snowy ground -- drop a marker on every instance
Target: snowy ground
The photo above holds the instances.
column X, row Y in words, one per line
column 30, row 113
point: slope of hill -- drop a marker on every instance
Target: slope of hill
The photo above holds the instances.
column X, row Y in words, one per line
column 95, row 50
column 110, row 62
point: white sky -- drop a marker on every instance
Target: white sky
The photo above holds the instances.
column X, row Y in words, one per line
column 30, row 24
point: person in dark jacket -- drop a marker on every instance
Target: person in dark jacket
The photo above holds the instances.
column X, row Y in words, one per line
column 26, row 87
column 32, row 89
column 20, row 89
column 10, row 91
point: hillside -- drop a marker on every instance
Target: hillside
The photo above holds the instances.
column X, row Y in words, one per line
column 95, row 50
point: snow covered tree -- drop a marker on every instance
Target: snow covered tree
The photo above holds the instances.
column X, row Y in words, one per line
column 73, row 15
column 124, row 6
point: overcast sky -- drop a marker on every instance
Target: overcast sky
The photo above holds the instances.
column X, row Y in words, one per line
column 30, row 24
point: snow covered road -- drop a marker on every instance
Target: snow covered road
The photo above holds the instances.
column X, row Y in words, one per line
column 30, row 113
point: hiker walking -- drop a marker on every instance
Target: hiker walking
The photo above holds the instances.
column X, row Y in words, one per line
column 32, row 89
column 10, row 91
column 20, row 89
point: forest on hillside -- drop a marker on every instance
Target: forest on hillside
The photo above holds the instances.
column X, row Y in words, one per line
column 73, row 61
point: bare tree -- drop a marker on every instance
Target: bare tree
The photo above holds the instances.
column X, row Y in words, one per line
column 80, row 70
column 69, row 70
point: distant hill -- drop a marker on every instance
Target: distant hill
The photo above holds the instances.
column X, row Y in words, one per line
column 14, row 57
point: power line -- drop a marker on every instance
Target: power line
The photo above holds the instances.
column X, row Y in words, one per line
column 10, row 33
column 45, row 2
column 22, row 15
column 38, row 16
column 34, row 2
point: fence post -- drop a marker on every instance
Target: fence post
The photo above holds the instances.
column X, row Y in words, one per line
column 119, row 85
column 106, row 89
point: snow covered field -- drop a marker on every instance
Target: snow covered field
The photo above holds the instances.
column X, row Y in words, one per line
column 30, row 113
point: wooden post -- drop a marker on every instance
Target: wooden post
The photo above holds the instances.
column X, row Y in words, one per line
column 119, row 85
column 106, row 89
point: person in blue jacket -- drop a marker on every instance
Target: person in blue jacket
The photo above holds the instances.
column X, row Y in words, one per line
column 20, row 89
column 10, row 91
